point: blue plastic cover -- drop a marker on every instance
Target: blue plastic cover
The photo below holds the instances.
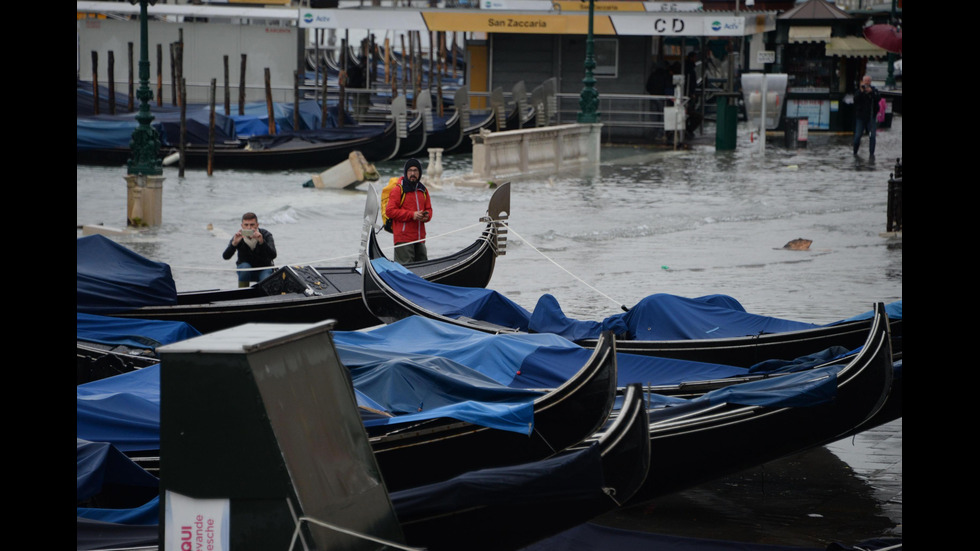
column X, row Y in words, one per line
column 123, row 410
column 420, row 387
column 134, row 333
column 656, row 317
column 522, row 360
column 112, row 278
column 452, row 301
column 105, row 472
column 893, row 309
column 664, row 317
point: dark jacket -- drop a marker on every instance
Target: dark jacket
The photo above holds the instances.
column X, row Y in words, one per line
column 260, row 257
column 866, row 105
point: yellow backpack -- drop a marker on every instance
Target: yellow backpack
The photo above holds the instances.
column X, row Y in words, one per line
column 392, row 184
column 385, row 193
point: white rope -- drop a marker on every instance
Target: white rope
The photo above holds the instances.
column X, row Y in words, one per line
column 621, row 305
column 322, row 261
column 349, row 532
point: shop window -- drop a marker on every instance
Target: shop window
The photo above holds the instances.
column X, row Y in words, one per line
column 808, row 68
column 606, row 57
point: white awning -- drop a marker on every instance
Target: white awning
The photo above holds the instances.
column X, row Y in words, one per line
column 853, row 46
column 808, row 34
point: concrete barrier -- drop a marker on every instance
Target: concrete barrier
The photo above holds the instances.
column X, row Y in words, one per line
column 498, row 155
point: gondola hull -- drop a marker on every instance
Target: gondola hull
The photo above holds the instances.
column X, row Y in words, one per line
column 725, row 438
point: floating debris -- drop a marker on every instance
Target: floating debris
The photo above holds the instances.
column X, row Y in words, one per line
column 798, row 244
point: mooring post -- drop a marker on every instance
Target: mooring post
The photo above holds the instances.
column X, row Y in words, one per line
column 895, row 199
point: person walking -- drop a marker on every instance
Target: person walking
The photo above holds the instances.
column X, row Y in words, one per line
column 866, row 115
column 256, row 249
column 409, row 207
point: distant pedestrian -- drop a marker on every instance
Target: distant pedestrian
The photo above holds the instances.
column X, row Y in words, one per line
column 866, row 115
column 256, row 249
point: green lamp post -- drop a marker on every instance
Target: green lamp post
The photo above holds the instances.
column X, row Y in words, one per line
column 145, row 145
column 588, row 103
column 144, row 174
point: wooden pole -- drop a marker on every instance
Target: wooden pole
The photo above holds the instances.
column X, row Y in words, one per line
column 442, row 68
column 433, row 52
column 342, row 83
column 183, row 128
column 389, row 68
column 95, row 82
column 211, row 132
column 173, row 73
column 159, row 75
column 241, row 87
column 111, row 74
column 131, row 95
column 404, row 65
column 227, row 89
column 295, row 99
column 180, row 59
column 268, row 102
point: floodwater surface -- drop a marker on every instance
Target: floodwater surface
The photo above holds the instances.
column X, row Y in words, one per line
column 691, row 222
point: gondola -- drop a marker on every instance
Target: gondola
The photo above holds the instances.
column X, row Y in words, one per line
column 480, row 507
column 399, row 298
column 292, row 294
column 446, row 133
column 317, row 148
column 729, row 430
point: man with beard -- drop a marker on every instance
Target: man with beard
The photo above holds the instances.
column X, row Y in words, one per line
column 409, row 207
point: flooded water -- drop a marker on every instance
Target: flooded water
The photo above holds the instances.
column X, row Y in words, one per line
column 691, row 223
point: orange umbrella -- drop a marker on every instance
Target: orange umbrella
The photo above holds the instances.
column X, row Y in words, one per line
column 888, row 37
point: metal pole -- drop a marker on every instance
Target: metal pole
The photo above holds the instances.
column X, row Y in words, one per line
column 589, row 101
column 145, row 146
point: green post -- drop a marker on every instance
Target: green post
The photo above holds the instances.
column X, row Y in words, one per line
column 725, row 127
column 589, row 101
column 144, row 174
column 145, row 145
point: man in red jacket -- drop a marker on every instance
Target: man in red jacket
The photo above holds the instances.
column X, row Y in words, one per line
column 409, row 207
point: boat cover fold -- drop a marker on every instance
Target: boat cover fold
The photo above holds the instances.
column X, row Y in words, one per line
column 518, row 360
column 134, row 333
column 102, row 467
column 407, row 386
column 451, row 301
column 112, row 278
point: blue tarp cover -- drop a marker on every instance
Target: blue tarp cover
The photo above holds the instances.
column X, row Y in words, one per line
column 112, row 278
column 657, row 317
column 452, row 301
column 105, row 472
column 123, row 410
column 524, row 360
column 134, row 333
